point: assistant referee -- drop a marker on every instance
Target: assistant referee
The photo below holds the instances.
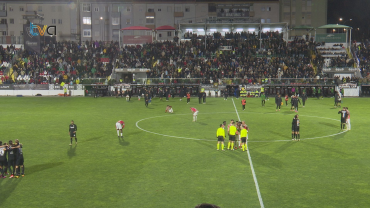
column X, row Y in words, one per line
column 221, row 137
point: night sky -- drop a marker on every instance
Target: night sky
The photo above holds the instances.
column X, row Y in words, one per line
column 357, row 10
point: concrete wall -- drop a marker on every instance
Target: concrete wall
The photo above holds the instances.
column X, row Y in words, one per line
column 267, row 12
column 304, row 13
column 64, row 15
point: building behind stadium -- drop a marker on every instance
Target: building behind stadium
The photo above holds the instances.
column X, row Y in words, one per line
column 102, row 20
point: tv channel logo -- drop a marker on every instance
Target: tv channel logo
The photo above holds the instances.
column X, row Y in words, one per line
column 36, row 30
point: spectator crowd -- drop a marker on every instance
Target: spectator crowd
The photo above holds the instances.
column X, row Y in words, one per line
column 59, row 62
column 242, row 56
column 236, row 55
column 362, row 50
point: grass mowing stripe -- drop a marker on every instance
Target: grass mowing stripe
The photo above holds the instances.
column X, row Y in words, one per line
column 252, row 169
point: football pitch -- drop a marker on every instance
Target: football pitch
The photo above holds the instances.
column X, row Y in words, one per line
column 166, row 160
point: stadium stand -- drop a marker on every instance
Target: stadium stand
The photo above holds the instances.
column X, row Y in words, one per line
column 235, row 55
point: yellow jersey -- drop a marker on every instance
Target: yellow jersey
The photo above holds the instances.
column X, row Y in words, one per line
column 220, row 132
column 243, row 133
column 232, row 130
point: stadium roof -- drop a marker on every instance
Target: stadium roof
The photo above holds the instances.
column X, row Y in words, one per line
column 235, row 25
column 165, row 27
column 136, row 28
column 333, row 26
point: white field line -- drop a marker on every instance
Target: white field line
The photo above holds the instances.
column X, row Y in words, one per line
column 137, row 125
column 252, row 168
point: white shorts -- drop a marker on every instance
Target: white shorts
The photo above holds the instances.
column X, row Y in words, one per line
column 118, row 126
column 195, row 113
column 170, row 110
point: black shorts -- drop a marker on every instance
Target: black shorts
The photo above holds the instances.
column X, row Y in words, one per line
column 296, row 129
column 19, row 161
column 3, row 163
column 11, row 163
column 220, row 138
column 72, row 134
column 232, row 137
column 244, row 139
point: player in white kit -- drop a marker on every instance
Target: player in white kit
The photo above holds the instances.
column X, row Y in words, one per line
column 119, row 126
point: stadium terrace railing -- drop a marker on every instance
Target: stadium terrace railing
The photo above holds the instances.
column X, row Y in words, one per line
column 239, row 81
column 225, row 81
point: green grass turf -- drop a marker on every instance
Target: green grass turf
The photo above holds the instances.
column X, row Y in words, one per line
column 153, row 170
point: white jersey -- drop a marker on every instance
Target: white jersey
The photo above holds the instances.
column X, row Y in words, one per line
column 118, row 126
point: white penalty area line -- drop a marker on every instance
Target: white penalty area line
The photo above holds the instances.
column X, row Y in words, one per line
column 252, row 168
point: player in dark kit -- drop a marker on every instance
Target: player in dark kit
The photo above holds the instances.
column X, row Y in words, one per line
column 160, row 94
column 146, row 98
column 226, row 94
column 72, row 131
column 200, row 95
column 343, row 118
column 20, row 160
column 278, row 101
column 304, row 98
column 295, row 129
column 11, row 158
column 295, row 103
column 3, row 160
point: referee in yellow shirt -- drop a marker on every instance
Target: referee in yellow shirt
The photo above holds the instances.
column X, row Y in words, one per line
column 243, row 135
column 220, row 137
column 232, row 131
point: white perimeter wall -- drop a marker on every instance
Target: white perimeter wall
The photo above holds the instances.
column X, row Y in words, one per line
column 42, row 92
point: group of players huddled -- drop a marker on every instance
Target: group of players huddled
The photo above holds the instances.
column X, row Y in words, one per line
column 237, row 132
column 294, row 101
column 11, row 158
